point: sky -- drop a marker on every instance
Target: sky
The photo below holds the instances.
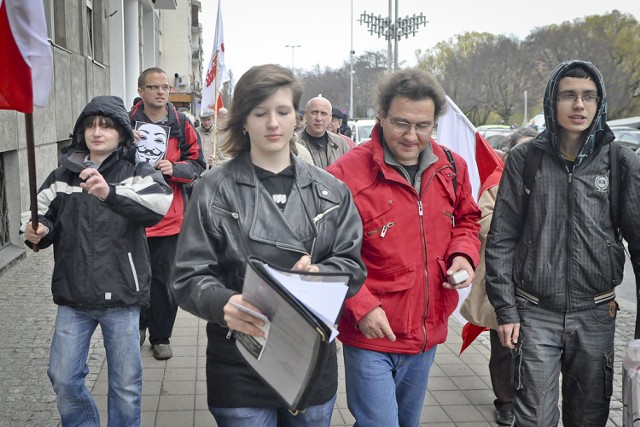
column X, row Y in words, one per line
column 257, row 31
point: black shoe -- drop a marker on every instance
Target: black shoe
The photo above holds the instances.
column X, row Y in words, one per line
column 162, row 351
column 504, row 418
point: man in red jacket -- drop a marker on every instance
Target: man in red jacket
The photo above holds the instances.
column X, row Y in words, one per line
column 420, row 228
column 181, row 163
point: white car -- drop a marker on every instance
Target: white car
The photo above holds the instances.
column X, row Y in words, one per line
column 361, row 129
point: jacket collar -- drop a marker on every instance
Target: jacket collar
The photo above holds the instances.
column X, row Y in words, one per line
column 246, row 173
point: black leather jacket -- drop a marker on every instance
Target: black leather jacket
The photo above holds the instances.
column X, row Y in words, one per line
column 231, row 216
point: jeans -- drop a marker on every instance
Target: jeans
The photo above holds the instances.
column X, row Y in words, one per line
column 386, row 389
column 68, row 365
column 160, row 315
column 577, row 344
column 313, row 416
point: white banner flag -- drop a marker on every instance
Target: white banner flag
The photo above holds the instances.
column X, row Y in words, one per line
column 216, row 73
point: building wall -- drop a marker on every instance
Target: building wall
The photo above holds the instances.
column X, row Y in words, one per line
column 75, row 80
column 91, row 40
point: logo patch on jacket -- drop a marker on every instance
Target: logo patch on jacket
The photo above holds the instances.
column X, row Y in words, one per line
column 602, row 183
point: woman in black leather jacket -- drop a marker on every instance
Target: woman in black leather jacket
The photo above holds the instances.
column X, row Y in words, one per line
column 264, row 202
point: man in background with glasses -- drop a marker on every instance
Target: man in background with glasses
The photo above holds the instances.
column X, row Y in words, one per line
column 554, row 256
column 182, row 163
column 420, row 236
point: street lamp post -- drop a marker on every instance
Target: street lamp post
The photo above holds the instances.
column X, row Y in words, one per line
column 293, row 47
column 351, row 53
column 393, row 29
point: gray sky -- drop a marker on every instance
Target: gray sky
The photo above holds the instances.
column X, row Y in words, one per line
column 256, row 31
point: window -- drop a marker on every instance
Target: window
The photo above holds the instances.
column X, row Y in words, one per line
column 54, row 15
column 94, row 24
column 4, row 213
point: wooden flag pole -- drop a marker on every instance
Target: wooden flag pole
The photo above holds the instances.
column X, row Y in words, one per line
column 216, row 93
column 31, row 164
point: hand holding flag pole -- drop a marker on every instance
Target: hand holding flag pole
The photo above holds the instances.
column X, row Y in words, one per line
column 25, row 73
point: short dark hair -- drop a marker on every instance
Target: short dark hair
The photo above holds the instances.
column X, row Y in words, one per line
column 102, row 121
column 526, row 132
column 579, row 72
column 142, row 79
column 413, row 83
column 256, row 85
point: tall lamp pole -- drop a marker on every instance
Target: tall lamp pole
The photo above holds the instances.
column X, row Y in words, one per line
column 351, row 53
column 293, row 47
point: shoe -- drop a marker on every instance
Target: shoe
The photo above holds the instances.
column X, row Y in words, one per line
column 162, row 351
column 504, row 418
column 143, row 335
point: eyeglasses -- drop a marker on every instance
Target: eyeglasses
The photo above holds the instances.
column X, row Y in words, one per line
column 571, row 98
column 156, row 88
column 404, row 127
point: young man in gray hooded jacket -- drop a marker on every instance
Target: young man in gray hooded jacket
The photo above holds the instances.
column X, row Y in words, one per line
column 553, row 257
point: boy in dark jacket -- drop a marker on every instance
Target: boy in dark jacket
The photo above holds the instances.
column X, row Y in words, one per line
column 94, row 209
column 553, row 264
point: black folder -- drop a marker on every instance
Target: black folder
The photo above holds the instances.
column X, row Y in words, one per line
column 292, row 357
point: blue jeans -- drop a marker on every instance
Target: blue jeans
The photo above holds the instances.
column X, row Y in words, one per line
column 68, row 365
column 386, row 389
column 577, row 344
column 313, row 416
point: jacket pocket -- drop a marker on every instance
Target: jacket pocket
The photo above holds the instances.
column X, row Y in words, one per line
column 448, row 299
column 395, row 290
column 616, row 261
column 133, row 271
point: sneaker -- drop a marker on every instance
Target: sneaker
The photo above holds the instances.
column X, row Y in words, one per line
column 143, row 335
column 162, row 351
column 504, row 418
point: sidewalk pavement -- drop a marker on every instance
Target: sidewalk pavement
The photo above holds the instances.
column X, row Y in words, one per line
column 174, row 391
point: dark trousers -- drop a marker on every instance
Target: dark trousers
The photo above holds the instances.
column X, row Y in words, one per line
column 578, row 345
column 500, row 371
column 160, row 316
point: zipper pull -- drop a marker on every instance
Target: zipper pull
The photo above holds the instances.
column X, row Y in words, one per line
column 384, row 230
column 453, row 221
column 420, row 211
column 570, row 177
column 229, row 334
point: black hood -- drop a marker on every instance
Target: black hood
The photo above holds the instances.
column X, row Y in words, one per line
column 106, row 106
column 598, row 127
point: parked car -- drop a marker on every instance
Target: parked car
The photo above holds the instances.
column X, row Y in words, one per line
column 496, row 135
column 361, row 129
column 627, row 136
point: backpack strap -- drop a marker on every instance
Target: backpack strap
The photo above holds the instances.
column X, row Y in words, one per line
column 453, row 166
column 614, row 187
column 532, row 161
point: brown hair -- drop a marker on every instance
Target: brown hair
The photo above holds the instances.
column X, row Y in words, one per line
column 413, row 83
column 256, row 85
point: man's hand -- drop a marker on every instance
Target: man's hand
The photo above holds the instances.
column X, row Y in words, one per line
column 374, row 324
column 240, row 321
column 304, row 264
column 459, row 263
column 165, row 166
column 509, row 334
column 34, row 236
column 94, row 183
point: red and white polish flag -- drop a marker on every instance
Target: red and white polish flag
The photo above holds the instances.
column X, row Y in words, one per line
column 217, row 73
column 456, row 132
column 27, row 60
